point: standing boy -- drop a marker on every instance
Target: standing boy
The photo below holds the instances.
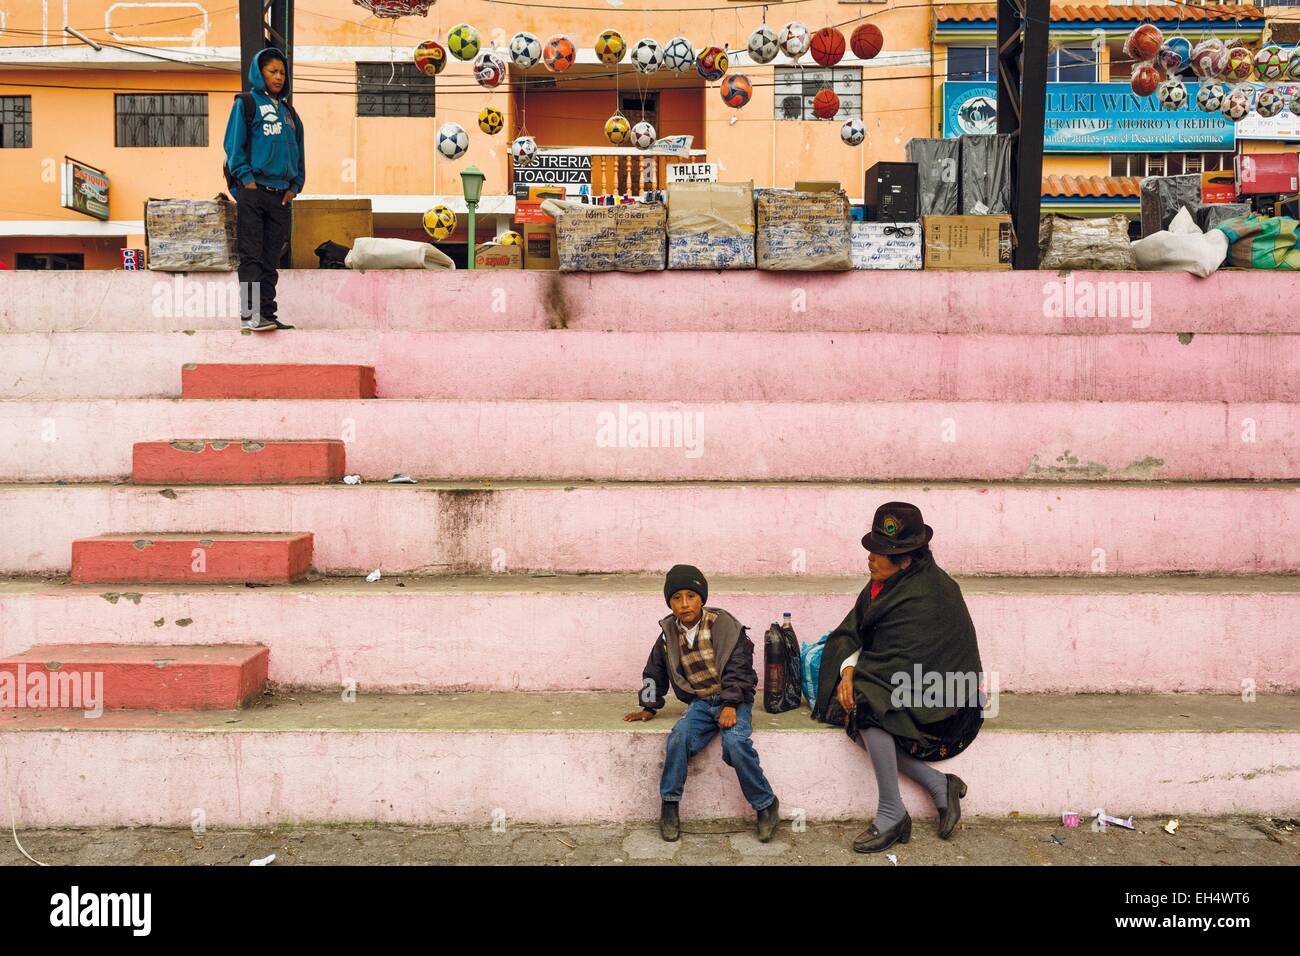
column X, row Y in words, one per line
column 265, row 169
column 707, row 657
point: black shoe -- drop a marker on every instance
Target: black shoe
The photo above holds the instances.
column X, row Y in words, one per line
column 768, row 820
column 670, row 825
column 873, row 841
column 277, row 323
column 950, row 814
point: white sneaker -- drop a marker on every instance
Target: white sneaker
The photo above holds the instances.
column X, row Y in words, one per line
column 257, row 325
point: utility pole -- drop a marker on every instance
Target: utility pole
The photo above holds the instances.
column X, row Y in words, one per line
column 1023, row 26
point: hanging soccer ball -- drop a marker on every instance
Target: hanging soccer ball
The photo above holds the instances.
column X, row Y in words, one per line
column 643, row 135
column 1236, row 106
column 866, row 41
column 1209, row 57
column 524, row 151
column 1268, row 102
column 736, row 90
column 618, row 130
column 1269, row 65
column 853, row 132
column 490, row 120
column 463, row 41
column 1295, row 103
column 763, row 45
column 679, row 55
column 490, row 69
column 1144, row 42
column 611, row 47
column 525, row 50
column 711, row 63
column 1241, row 64
column 1145, row 79
column 827, row 46
column 430, row 58
column 510, row 238
column 1174, row 54
column 1171, row 94
column 826, row 104
column 440, row 222
column 559, row 53
column 647, row 55
column 1210, row 97
column 1293, row 64
column 453, row 141
column 793, row 39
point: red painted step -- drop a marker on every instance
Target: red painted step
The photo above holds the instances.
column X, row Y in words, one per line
column 134, row 677
column 221, row 462
column 190, row 558
column 277, row 381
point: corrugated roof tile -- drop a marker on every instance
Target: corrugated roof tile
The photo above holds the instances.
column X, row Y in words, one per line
column 1092, row 187
column 1075, row 13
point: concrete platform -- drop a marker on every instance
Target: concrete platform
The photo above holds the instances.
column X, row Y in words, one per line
column 237, row 462
column 213, row 558
column 570, row 758
column 276, row 380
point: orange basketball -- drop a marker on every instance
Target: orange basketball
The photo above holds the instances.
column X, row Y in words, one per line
column 827, row 46
column 1145, row 79
column 826, row 104
column 867, row 41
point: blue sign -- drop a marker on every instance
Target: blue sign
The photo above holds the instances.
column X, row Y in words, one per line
column 1095, row 118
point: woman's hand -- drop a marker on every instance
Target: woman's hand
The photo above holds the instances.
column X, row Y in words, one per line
column 639, row 715
column 727, row 718
column 845, row 691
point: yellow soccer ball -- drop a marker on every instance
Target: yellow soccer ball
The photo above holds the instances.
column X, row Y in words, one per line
column 618, row 130
column 510, row 238
column 490, row 120
column 463, row 41
column 611, row 47
column 440, row 222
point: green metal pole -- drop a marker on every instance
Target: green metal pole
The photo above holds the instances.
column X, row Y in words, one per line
column 472, row 207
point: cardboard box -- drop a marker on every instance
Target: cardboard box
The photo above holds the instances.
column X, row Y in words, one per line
column 1263, row 174
column 816, row 186
column 315, row 220
column 967, row 243
column 190, row 235
column 540, row 251
column 1219, row 185
column 711, row 225
column 493, row 255
column 802, row 231
column 886, row 245
column 628, row 238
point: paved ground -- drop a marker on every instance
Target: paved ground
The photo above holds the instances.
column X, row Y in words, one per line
column 1254, row 841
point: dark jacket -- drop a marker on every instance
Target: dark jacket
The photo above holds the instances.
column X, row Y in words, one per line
column 275, row 156
column 732, row 650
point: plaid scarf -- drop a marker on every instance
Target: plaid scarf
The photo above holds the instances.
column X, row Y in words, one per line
column 698, row 665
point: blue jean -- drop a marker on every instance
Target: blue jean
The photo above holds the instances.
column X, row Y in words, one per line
column 692, row 733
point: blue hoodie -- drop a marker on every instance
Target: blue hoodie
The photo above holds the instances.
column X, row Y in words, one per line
column 275, row 158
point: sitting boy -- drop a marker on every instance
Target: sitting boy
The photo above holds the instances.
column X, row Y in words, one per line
column 705, row 654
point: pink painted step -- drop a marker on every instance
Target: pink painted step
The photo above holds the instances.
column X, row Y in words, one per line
column 173, row 677
column 234, row 462
column 266, row 558
column 277, row 381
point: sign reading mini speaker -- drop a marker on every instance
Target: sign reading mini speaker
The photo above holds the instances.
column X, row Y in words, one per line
column 764, row 45
column 490, row 120
column 463, row 42
column 647, row 55
column 453, row 141
column 712, row 63
column 866, row 41
column 853, row 132
column 430, row 58
column 1144, row 42
column 611, row 47
column 736, row 90
column 524, row 151
column 679, row 55
column 827, row 46
column 793, row 39
column 1145, row 79
column 490, row 69
column 559, row 53
column 643, row 135
column 618, row 130
column 440, row 222
column 826, row 104
column 1209, row 58
column 525, row 50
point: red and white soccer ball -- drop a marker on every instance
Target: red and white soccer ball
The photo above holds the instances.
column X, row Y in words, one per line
column 1236, row 106
column 643, row 135
column 1209, row 59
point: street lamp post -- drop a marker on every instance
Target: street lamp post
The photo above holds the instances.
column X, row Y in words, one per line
column 472, row 185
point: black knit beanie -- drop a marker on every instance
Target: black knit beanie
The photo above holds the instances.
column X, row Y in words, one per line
column 685, row 577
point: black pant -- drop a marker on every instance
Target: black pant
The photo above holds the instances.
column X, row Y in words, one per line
column 261, row 230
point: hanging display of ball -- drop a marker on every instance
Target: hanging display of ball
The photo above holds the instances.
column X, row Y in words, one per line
column 1145, row 79
column 559, row 53
column 736, row 90
column 711, row 63
column 826, row 104
column 1209, row 57
column 1295, row 104
column 793, row 39
column 1293, row 64
column 611, row 47
column 463, row 42
column 510, row 238
column 524, row 151
column 440, row 222
column 643, row 135
column 1269, row 64
column 1175, row 54
column 679, row 55
column 491, row 120
column 647, row 55
column 866, row 41
column 827, row 46
column 853, row 132
column 1241, row 65
column 525, row 50
column 430, row 58
column 1268, row 102
column 490, row 69
column 618, row 130
column 1236, row 106
column 1144, row 42
column 1210, row 97
column 453, row 141
column 763, row 45
column 1171, row 94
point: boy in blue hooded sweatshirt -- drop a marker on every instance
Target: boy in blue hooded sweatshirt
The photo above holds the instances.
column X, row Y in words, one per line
column 265, row 158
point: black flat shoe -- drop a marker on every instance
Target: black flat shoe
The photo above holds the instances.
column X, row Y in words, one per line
column 950, row 814
column 670, row 825
column 768, row 820
column 873, row 841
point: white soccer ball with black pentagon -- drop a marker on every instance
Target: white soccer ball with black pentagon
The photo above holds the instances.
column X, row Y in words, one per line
column 764, row 45
column 453, row 141
column 524, row 151
column 1268, row 102
column 525, row 50
column 1210, row 97
column 794, row 39
column 853, row 132
column 1171, row 94
column 643, row 135
column 1236, row 106
column 647, row 55
column 679, row 55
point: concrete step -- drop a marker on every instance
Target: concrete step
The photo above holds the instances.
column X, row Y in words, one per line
column 977, row 302
column 471, row 758
column 276, row 380
column 727, row 528
column 161, row 677
column 235, row 461
column 1117, row 365
column 408, row 633
column 190, row 558
column 751, row 441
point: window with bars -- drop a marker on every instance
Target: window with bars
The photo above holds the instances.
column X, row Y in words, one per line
column 1168, row 164
column 15, row 122
column 393, row 89
column 162, row 119
column 796, row 86
column 974, row 63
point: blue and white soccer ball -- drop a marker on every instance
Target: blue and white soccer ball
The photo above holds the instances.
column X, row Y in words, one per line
column 524, row 151
column 453, row 141
column 1210, row 97
column 679, row 55
column 764, row 45
column 647, row 55
column 1268, row 102
column 525, row 50
column 853, row 132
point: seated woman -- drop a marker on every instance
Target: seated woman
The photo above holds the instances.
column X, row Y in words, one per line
column 909, row 626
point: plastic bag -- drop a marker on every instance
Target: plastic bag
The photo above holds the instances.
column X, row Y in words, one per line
column 810, row 660
column 782, row 683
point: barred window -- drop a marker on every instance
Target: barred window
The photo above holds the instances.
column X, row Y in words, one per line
column 796, row 86
column 393, row 89
column 162, row 119
column 15, row 122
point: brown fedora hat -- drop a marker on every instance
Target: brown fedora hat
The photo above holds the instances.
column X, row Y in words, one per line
column 897, row 528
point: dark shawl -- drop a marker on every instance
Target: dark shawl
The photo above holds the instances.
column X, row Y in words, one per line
column 919, row 617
